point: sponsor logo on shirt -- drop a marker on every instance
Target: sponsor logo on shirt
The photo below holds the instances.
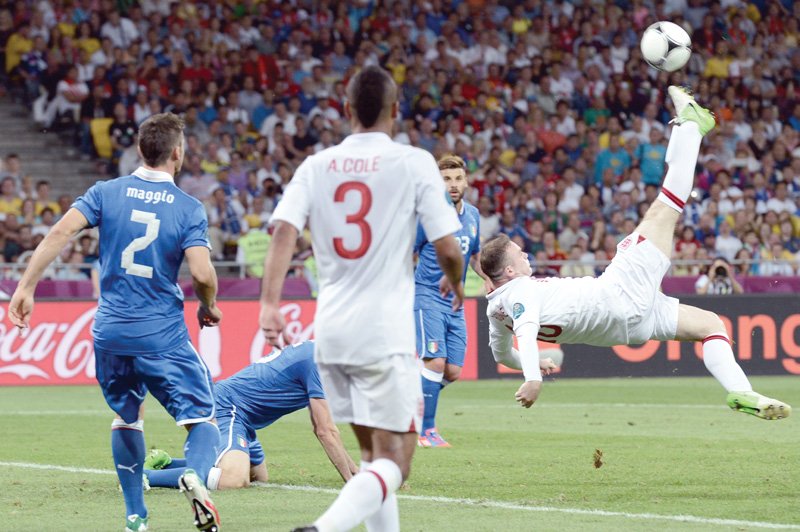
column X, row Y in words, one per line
column 517, row 310
column 148, row 196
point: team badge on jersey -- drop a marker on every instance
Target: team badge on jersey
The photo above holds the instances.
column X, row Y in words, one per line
column 517, row 310
column 473, row 231
column 242, row 442
column 433, row 347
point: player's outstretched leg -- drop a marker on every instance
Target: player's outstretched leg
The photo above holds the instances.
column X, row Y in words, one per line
column 206, row 517
column 699, row 325
column 690, row 125
column 128, row 449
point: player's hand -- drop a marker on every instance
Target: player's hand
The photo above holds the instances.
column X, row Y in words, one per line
column 20, row 309
column 547, row 366
column 446, row 288
column 528, row 393
column 458, row 297
column 272, row 323
column 209, row 316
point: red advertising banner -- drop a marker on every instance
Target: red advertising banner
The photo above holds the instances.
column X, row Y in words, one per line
column 57, row 348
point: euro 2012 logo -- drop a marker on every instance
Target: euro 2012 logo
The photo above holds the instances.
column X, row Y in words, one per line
column 517, row 310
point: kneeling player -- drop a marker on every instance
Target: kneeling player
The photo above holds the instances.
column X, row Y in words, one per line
column 624, row 305
column 280, row 383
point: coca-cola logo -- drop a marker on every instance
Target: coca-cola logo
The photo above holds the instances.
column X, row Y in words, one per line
column 23, row 352
column 294, row 331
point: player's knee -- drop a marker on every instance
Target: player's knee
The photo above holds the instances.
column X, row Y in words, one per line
column 452, row 373
column 710, row 323
column 434, row 364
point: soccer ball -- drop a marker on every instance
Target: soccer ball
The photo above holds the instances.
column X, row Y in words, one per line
column 666, row 46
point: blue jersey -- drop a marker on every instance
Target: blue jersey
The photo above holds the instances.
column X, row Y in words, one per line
column 278, row 384
column 145, row 224
column 428, row 273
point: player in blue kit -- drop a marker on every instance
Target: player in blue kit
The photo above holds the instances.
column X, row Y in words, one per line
column 280, row 383
column 442, row 332
column 147, row 225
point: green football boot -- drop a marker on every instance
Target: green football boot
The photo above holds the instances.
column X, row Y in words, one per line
column 758, row 405
column 134, row 523
column 688, row 110
column 157, row 459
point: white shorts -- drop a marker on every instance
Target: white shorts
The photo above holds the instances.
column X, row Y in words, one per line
column 636, row 273
column 384, row 395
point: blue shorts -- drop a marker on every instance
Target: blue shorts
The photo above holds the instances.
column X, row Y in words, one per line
column 179, row 380
column 441, row 335
column 236, row 435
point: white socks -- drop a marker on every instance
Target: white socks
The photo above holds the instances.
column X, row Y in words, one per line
column 387, row 518
column 720, row 362
column 362, row 496
column 682, row 152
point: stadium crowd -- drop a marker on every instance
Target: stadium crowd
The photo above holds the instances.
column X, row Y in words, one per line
column 563, row 126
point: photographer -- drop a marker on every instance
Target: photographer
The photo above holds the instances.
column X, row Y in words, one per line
column 718, row 280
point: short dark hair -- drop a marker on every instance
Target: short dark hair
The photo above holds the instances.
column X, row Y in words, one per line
column 371, row 93
column 494, row 256
column 158, row 136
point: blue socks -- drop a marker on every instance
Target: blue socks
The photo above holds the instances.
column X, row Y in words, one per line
column 128, row 449
column 164, row 478
column 201, row 448
column 431, row 386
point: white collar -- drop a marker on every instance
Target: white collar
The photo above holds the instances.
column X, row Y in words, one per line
column 153, row 175
column 497, row 291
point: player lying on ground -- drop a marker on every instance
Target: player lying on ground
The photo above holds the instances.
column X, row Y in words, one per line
column 442, row 331
column 624, row 305
column 280, row 383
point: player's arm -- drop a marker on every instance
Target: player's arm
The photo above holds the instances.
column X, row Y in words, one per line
column 276, row 266
column 289, row 219
column 529, row 361
column 328, row 435
column 204, row 281
column 59, row 236
column 448, row 254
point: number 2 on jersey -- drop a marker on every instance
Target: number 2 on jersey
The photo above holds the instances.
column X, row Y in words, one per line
column 138, row 244
column 356, row 218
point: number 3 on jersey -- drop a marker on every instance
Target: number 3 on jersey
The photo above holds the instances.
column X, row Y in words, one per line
column 357, row 218
column 138, row 244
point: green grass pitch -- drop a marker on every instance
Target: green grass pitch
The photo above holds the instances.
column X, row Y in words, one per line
column 674, row 458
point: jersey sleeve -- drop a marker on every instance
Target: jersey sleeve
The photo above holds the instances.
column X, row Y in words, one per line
column 91, row 204
column 197, row 233
column 501, row 340
column 420, row 240
column 312, row 381
column 434, row 211
column 295, row 205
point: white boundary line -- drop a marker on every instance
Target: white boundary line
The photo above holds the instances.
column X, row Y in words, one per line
column 476, row 503
column 510, row 405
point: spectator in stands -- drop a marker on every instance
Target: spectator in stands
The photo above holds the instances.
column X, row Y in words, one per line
column 66, row 105
column 10, row 202
column 224, row 221
column 12, row 167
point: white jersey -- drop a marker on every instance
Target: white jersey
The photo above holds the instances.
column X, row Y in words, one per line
column 362, row 200
column 567, row 310
column 622, row 306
